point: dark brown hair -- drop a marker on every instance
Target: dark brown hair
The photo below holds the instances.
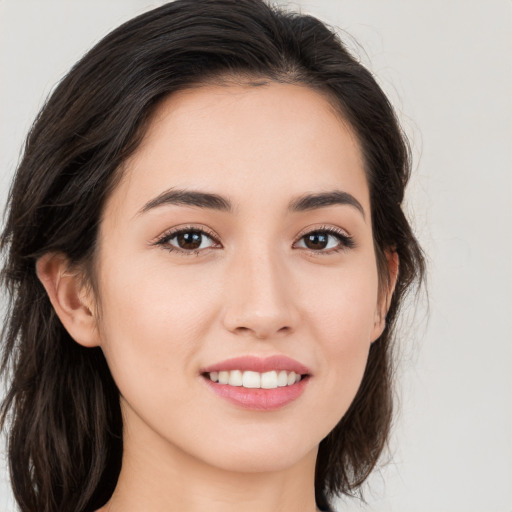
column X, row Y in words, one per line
column 62, row 405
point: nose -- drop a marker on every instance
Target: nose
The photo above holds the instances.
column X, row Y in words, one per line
column 260, row 300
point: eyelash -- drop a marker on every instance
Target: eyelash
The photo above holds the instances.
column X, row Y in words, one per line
column 166, row 237
column 345, row 241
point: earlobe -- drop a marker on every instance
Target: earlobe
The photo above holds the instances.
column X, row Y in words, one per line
column 386, row 294
column 69, row 298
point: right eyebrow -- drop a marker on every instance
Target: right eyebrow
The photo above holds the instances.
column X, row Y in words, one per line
column 188, row 198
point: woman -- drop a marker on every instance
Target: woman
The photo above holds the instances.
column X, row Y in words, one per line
column 206, row 254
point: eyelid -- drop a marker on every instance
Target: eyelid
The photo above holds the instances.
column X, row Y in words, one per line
column 324, row 227
column 164, row 237
column 346, row 241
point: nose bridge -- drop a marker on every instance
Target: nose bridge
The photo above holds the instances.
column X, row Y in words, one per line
column 260, row 299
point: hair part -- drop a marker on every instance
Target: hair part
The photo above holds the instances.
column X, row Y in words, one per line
column 65, row 438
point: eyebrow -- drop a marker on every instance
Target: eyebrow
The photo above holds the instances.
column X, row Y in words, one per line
column 324, row 199
column 189, row 198
column 212, row 201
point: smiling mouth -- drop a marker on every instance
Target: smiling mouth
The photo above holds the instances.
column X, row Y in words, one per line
column 255, row 380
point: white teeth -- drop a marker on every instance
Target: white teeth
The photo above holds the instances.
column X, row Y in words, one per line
column 235, row 378
column 269, row 380
column 282, row 379
column 253, row 380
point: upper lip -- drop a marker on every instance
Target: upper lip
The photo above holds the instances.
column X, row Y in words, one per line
column 258, row 364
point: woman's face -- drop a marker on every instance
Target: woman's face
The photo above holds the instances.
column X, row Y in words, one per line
column 241, row 228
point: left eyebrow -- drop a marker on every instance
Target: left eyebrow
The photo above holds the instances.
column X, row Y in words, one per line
column 324, row 199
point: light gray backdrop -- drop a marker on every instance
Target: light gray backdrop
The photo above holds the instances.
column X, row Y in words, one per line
column 447, row 66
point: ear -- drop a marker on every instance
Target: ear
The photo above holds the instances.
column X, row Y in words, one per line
column 70, row 298
column 386, row 294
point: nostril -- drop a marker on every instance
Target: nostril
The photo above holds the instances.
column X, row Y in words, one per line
column 262, row 333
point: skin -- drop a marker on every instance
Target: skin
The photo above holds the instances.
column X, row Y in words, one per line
column 254, row 288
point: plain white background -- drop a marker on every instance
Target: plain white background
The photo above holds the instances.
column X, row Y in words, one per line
column 447, row 67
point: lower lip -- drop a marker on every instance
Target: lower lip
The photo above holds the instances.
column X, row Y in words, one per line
column 258, row 399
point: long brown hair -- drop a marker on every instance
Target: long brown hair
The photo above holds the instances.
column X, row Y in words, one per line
column 62, row 405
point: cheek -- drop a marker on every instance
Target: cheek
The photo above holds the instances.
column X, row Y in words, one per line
column 155, row 299
column 343, row 302
column 342, row 314
column 153, row 323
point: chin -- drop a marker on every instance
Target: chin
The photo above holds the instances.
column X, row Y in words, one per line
column 261, row 455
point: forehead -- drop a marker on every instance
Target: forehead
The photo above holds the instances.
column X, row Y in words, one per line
column 268, row 140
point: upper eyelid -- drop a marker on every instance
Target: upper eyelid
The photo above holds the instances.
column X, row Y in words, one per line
column 346, row 241
column 172, row 232
column 327, row 228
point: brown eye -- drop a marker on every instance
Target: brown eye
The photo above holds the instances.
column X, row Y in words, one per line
column 316, row 241
column 188, row 240
column 326, row 241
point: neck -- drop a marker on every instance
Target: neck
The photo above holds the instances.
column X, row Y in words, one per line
column 163, row 478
